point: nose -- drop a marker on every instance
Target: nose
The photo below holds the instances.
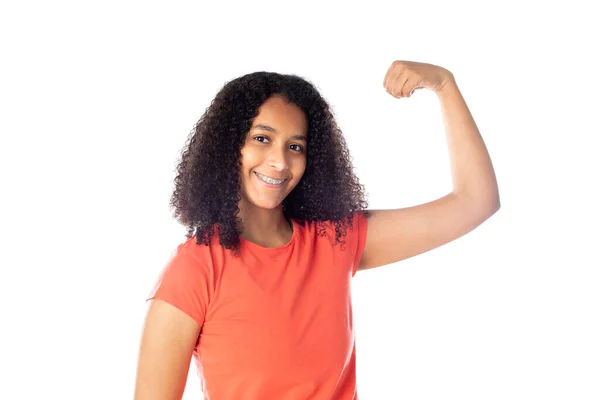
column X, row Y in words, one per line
column 277, row 158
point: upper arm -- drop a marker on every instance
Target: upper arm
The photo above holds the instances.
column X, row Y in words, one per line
column 395, row 235
column 168, row 340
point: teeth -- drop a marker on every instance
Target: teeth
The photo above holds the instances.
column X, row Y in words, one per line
column 269, row 180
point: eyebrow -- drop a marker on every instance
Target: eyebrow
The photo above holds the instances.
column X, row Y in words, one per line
column 271, row 129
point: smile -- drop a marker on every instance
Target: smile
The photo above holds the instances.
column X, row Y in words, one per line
column 269, row 180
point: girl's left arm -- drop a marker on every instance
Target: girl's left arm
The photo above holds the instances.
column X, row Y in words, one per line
column 394, row 235
column 473, row 176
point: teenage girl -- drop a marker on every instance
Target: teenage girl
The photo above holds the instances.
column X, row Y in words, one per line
column 259, row 293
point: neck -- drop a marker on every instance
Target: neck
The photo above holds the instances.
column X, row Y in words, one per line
column 268, row 228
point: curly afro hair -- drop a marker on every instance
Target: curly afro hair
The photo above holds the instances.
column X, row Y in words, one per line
column 208, row 182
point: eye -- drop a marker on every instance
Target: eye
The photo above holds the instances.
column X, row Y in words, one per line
column 260, row 137
column 300, row 148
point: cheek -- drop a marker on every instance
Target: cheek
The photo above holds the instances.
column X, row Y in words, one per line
column 299, row 170
column 302, row 165
column 256, row 158
column 248, row 159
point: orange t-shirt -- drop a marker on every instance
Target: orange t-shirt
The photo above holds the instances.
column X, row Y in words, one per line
column 276, row 322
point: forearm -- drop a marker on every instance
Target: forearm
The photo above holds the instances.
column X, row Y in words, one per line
column 473, row 175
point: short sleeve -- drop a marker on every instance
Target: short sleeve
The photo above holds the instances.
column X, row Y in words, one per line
column 184, row 283
column 358, row 238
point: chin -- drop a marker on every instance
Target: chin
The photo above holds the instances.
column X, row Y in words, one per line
column 258, row 202
column 268, row 205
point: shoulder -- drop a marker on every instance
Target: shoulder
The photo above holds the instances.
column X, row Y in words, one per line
column 190, row 257
column 348, row 230
column 351, row 224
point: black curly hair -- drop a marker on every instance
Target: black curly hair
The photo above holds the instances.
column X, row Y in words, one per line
column 208, row 182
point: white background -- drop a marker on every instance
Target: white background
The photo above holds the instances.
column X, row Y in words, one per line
column 97, row 99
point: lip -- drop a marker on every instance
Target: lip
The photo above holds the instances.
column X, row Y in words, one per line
column 270, row 185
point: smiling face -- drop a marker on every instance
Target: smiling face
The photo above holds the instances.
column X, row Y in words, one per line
column 274, row 150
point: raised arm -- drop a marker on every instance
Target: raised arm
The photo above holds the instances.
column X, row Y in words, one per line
column 394, row 235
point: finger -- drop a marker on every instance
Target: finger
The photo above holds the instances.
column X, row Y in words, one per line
column 410, row 87
column 389, row 74
column 398, row 85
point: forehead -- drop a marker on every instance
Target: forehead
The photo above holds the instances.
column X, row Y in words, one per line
column 281, row 115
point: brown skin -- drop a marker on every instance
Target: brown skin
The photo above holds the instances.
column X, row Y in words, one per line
column 397, row 234
column 207, row 189
column 166, row 347
column 280, row 154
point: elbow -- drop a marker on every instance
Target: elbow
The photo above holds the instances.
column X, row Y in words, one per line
column 480, row 205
